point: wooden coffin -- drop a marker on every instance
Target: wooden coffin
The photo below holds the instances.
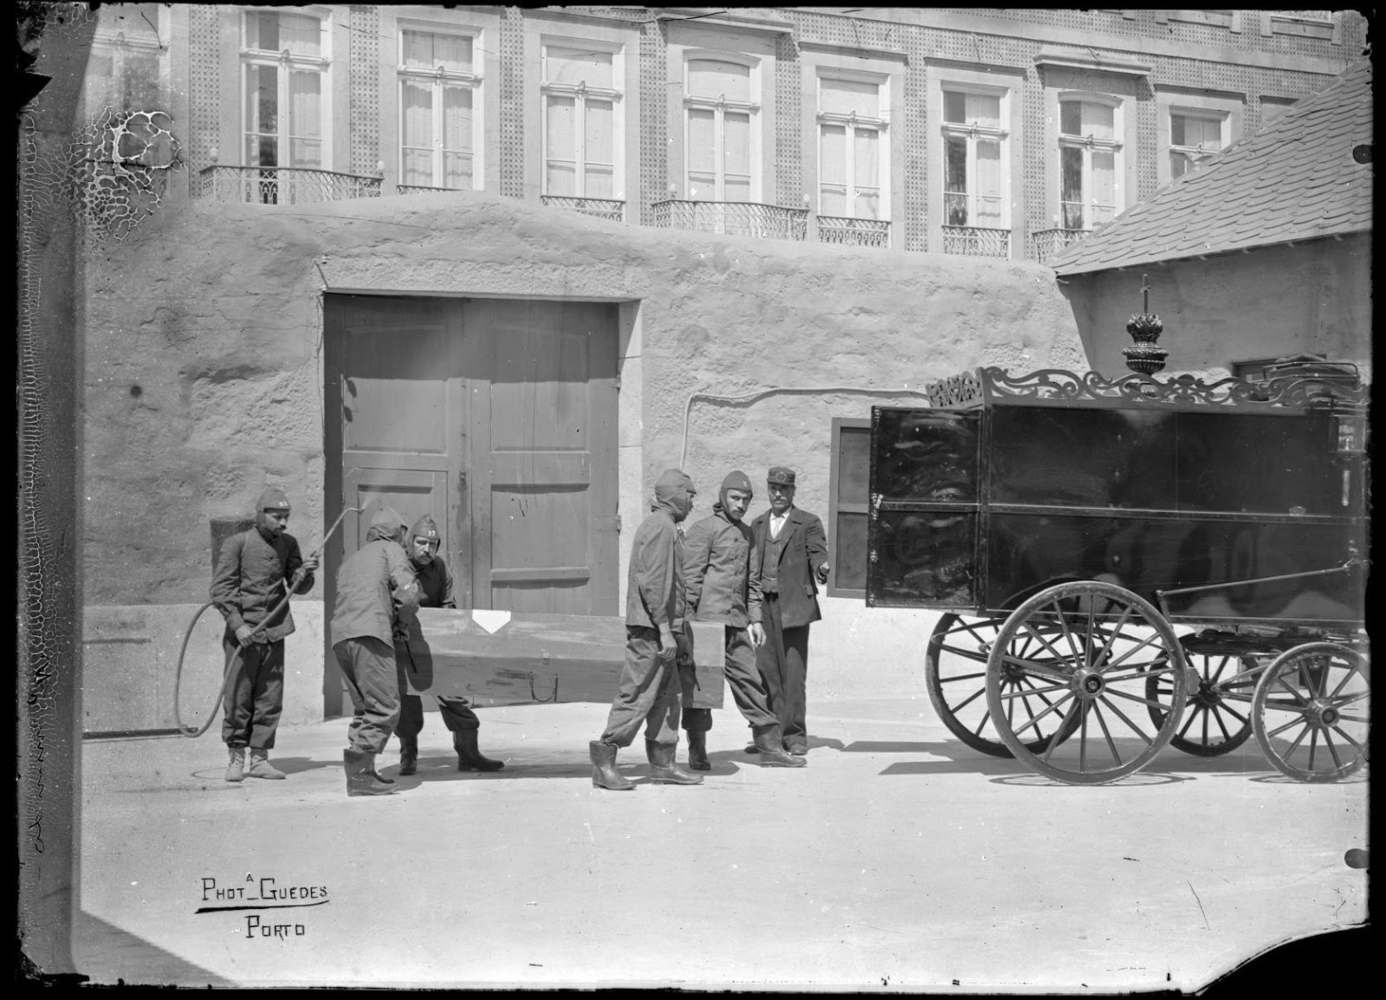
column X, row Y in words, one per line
column 515, row 658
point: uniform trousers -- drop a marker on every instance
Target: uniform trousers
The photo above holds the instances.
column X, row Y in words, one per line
column 456, row 712
column 256, row 699
column 783, row 662
column 368, row 667
column 646, row 694
column 748, row 687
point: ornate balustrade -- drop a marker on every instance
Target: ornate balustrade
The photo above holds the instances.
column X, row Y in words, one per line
column 851, row 232
column 732, row 218
column 283, row 185
column 976, row 241
column 612, row 209
column 1049, row 243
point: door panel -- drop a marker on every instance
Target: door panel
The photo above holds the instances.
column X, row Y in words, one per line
column 542, row 476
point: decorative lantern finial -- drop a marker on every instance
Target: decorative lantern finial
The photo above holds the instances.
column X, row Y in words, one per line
column 1145, row 356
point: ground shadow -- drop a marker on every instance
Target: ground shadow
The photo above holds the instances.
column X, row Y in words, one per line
column 109, row 956
column 635, row 767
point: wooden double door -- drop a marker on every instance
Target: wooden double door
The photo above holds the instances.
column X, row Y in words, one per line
column 497, row 417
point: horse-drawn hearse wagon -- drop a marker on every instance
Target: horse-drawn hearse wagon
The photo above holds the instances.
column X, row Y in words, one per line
column 1124, row 564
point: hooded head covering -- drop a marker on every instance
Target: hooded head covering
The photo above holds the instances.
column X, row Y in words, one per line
column 424, row 527
column 387, row 523
column 673, row 491
column 736, row 480
column 272, row 499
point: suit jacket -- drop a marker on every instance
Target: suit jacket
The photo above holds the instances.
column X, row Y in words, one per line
column 805, row 549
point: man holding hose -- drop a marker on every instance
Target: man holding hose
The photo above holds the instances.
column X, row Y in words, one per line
column 257, row 569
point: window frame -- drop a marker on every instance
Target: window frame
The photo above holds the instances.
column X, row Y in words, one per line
column 1221, row 118
column 719, row 106
column 1088, row 145
column 617, row 94
column 474, row 81
column 879, row 124
column 972, row 132
column 286, row 63
column 833, row 588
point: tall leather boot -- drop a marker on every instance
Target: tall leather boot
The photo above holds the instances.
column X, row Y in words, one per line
column 235, row 768
column 408, row 754
column 469, row 758
column 360, row 774
column 697, row 750
column 604, row 773
column 771, row 752
column 663, row 770
column 260, row 767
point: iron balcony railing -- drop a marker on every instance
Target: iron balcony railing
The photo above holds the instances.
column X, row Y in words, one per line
column 612, row 209
column 976, row 241
column 732, row 218
column 851, row 232
column 283, row 185
column 420, row 189
column 1049, row 243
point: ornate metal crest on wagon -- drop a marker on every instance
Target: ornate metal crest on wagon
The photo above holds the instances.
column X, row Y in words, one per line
column 1132, row 562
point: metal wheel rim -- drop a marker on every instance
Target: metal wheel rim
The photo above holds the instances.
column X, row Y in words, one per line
column 951, row 691
column 1095, row 674
column 1294, row 734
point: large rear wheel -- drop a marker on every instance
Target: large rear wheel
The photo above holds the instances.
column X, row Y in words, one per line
column 955, row 672
column 1092, row 648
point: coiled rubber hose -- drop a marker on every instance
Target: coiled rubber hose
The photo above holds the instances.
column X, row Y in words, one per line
column 233, row 662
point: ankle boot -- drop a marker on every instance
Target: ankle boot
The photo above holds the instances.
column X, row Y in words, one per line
column 235, row 768
column 604, row 773
column 360, row 774
column 260, row 767
column 768, row 745
column 408, row 755
column 663, row 770
column 697, row 750
column 469, row 758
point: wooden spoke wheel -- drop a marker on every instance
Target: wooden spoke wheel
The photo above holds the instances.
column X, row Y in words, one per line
column 1217, row 717
column 1311, row 711
column 1092, row 648
column 955, row 671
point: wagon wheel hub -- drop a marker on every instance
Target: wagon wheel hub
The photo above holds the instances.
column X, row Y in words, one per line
column 1324, row 715
column 1087, row 683
column 1207, row 695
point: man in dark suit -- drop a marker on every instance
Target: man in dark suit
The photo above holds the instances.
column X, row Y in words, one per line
column 791, row 558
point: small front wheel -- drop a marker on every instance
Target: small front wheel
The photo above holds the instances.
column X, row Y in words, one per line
column 1311, row 711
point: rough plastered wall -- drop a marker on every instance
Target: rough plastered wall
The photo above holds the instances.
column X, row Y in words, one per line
column 1312, row 297
column 203, row 350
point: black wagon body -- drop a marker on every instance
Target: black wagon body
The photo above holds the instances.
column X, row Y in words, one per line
column 1234, row 510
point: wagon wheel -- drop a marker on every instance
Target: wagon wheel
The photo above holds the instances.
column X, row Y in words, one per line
column 1098, row 647
column 1311, row 710
column 1218, row 719
column 955, row 670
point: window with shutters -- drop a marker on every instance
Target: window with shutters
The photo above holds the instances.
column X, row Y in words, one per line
column 284, row 69
column 440, row 110
column 583, row 120
column 853, row 148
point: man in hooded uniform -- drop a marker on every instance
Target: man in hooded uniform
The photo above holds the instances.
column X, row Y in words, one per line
column 256, row 569
column 718, row 584
column 435, row 591
column 648, row 690
column 377, row 593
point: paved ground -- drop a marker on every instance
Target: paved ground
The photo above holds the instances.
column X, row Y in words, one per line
column 898, row 859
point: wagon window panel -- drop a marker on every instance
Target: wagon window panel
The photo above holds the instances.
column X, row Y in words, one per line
column 1261, row 464
column 849, row 492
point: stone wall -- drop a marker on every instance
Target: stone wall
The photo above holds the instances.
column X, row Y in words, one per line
column 203, row 345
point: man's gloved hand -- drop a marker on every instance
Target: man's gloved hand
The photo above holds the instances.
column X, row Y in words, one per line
column 244, row 634
column 823, row 573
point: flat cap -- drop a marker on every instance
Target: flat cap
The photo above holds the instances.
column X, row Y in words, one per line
column 780, row 475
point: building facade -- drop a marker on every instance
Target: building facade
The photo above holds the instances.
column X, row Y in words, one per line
column 504, row 265
column 984, row 132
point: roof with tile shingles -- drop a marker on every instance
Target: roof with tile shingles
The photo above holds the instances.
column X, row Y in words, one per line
column 1294, row 180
